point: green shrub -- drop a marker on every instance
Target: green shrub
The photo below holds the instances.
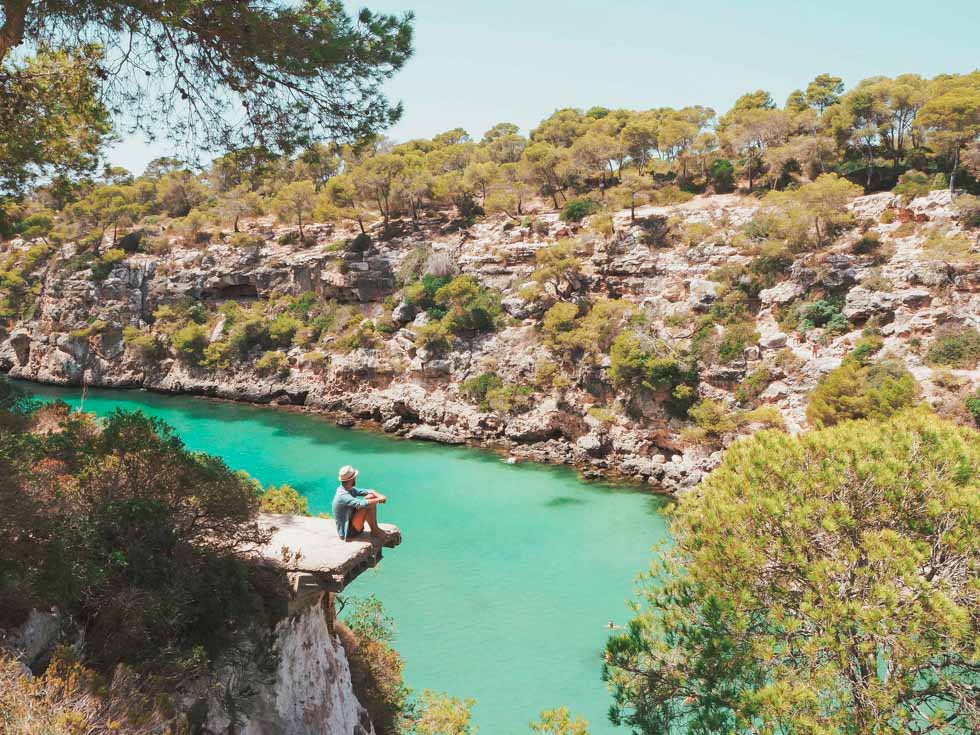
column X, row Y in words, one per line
column 713, row 417
column 376, row 668
column 590, row 335
column 190, row 342
column 823, row 314
column 360, row 336
column 422, row 294
column 949, row 247
column 558, row 323
column 722, row 174
column 92, row 330
column 735, row 339
column 913, row 184
column 753, row 385
column 282, row 329
column 957, row 347
column 143, row 549
column 273, row 362
column 469, row 307
column 244, row 240
column 854, row 391
column 284, row 500
column 972, row 404
column 575, row 210
column 634, row 367
column 865, row 348
column 478, row 388
column 103, row 265
column 868, row 244
column 602, row 224
column 558, row 265
column 508, row 398
column 146, row 343
column 433, row 336
column 246, row 333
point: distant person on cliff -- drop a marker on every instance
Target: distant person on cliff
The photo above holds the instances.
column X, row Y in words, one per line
column 353, row 507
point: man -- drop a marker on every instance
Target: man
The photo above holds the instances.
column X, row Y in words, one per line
column 353, row 507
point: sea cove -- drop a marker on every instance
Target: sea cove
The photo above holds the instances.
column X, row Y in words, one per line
column 507, row 575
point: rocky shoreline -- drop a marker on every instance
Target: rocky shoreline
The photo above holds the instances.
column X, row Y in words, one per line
column 79, row 331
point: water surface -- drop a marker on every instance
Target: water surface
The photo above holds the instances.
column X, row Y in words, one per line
column 507, row 573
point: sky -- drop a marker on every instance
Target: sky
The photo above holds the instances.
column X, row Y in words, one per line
column 479, row 63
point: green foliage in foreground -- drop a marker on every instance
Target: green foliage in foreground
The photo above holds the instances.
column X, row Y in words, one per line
column 824, row 583
column 122, row 528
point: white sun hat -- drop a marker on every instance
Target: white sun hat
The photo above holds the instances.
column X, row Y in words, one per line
column 347, row 473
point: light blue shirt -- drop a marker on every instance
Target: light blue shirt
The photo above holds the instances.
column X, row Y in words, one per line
column 345, row 503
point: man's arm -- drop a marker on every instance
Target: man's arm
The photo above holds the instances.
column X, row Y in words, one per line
column 375, row 495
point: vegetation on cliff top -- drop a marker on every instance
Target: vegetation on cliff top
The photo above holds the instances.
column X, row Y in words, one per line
column 273, row 74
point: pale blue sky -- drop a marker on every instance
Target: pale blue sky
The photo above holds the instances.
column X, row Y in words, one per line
column 477, row 64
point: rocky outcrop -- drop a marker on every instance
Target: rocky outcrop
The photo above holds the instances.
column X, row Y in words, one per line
column 309, row 691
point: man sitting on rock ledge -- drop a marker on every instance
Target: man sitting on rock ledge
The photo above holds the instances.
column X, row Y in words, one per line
column 353, row 507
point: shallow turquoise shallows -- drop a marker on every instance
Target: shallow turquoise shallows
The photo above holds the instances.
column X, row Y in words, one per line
column 507, row 574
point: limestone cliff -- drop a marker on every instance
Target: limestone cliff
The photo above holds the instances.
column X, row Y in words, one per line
column 308, row 691
column 76, row 331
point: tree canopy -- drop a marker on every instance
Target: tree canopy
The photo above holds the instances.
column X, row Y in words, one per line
column 220, row 75
column 819, row 583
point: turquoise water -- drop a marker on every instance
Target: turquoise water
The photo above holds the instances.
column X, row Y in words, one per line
column 507, row 573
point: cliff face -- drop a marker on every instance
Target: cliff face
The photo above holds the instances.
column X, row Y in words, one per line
column 76, row 332
column 295, row 680
column 307, row 692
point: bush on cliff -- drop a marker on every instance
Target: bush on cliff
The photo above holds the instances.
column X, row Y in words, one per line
column 575, row 210
column 857, row 391
column 190, row 341
column 470, row 308
column 283, row 499
column 636, row 366
column 955, row 347
column 591, row 335
column 128, row 533
column 376, row 668
column 818, row 583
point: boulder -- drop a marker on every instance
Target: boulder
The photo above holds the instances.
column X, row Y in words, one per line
column 430, row 434
column 701, row 293
column 781, row 293
column 403, row 313
column 862, row 303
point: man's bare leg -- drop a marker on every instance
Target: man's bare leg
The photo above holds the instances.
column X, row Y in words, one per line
column 357, row 523
column 372, row 522
column 369, row 517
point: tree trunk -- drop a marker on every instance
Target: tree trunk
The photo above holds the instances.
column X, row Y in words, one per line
column 300, row 218
column 236, row 223
column 952, row 174
column 12, row 30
